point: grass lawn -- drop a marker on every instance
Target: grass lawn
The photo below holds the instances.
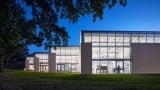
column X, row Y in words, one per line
column 27, row 80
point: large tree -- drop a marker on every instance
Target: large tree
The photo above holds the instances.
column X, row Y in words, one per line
column 17, row 61
column 17, row 31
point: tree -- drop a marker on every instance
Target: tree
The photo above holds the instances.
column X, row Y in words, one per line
column 42, row 29
column 17, row 61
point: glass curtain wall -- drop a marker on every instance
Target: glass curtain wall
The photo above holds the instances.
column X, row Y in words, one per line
column 67, row 58
column 111, row 50
column 43, row 61
column 31, row 63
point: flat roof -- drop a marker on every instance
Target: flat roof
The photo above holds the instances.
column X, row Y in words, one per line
column 67, row 46
column 41, row 52
column 118, row 31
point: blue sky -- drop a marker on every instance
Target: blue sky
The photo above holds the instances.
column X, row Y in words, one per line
column 138, row 15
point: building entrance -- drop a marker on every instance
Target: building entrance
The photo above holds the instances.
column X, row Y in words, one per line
column 119, row 68
column 67, row 67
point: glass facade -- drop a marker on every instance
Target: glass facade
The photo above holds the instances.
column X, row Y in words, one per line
column 67, row 58
column 111, row 51
column 31, row 62
column 43, row 61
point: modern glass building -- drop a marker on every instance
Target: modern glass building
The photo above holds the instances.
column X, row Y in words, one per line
column 110, row 51
column 67, row 58
column 103, row 52
column 40, row 62
column 29, row 63
column 59, row 59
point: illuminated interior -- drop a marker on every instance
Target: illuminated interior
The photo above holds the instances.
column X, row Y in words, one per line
column 31, row 62
column 43, row 61
column 111, row 50
column 111, row 53
column 67, row 58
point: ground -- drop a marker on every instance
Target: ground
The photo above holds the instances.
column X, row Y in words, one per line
column 27, row 80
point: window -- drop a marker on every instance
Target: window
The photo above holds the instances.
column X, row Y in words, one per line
column 87, row 37
column 111, row 52
column 142, row 38
column 111, row 38
column 157, row 38
column 134, row 38
column 126, row 53
column 127, row 38
column 103, row 52
column 150, row 38
column 119, row 39
column 103, row 37
column 119, row 52
column 95, row 37
column 95, row 52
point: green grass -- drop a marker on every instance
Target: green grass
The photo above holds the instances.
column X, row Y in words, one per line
column 27, row 80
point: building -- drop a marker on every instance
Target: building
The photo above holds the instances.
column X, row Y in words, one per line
column 109, row 52
column 59, row 59
column 67, row 58
column 41, row 62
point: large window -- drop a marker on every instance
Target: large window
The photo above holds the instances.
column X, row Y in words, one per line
column 43, row 61
column 67, row 59
column 103, row 53
column 157, row 38
column 111, row 52
column 95, row 52
column 31, row 63
column 126, row 39
column 119, row 52
column 126, row 53
column 119, row 39
column 103, row 37
column 113, row 48
column 87, row 37
column 150, row 38
column 134, row 38
column 142, row 38
column 95, row 37
column 111, row 39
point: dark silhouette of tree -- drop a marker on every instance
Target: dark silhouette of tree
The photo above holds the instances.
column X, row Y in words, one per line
column 16, row 31
column 17, row 61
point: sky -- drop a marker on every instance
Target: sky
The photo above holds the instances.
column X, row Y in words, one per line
column 138, row 15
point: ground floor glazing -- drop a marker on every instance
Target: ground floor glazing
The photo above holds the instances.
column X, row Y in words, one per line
column 111, row 67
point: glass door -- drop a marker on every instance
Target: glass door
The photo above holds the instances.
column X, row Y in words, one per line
column 119, row 67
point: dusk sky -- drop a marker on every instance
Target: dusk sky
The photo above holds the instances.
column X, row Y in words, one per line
column 138, row 15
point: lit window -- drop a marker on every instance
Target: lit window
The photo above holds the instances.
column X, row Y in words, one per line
column 126, row 52
column 103, row 37
column 87, row 37
column 150, row 38
column 142, row 38
column 134, row 38
column 95, row 37
column 157, row 38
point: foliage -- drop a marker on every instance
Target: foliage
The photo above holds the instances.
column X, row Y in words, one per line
column 14, row 29
column 17, row 30
column 46, row 14
column 17, row 61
